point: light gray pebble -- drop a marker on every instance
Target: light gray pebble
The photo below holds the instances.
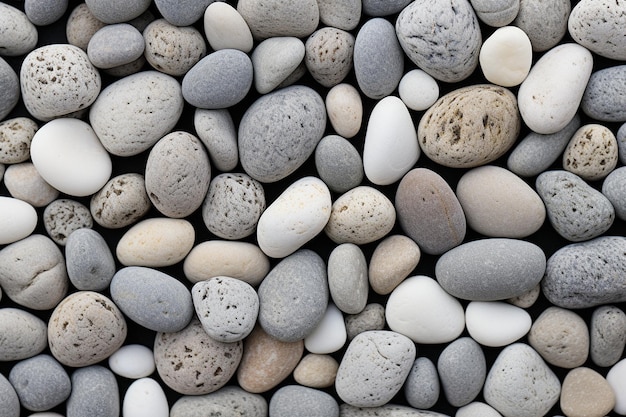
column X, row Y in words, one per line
column 229, row 399
column 94, row 392
column 383, row 7
column 152, row 298
column 63, row 216
column 121, row 202
column 347, row 278
column 117, row 11
column 276, row 61
column 477, row 409
column 544, row 23
column 43, row 13
column 217, row 131
column 462, row 370
column 115, row 45
column 296, row 400
column 41, row 382
column 338, row 163
column 19, row 36
column 219, row 80
column 10, row 86
column 595, row 24
column 328, row 55
column 608, row 335
column 15, row 138
column 279, row 132
column 182, row 12
column 422, row 386
column 81, row 25
column 387, row 410
column 270, row 18
column 605, row 96
column 371, row 318
column 496, row 13
column 621, row 143
column 614, row 188
column 378, row 58
column 233, row 206
column 343, row 15
column 172, row 49
column 576, row 210
column 89, row 261
column 24, row 335
column 9, row 399
column 24, row 182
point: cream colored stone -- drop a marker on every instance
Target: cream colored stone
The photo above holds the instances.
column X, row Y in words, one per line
column 316, row 371
column 392, row 261
column 586, row 393
column 345, row 109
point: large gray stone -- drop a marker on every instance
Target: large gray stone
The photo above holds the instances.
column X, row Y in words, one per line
column 41, row 382
column 296, row 400
column 94, row 392
column 462, row 370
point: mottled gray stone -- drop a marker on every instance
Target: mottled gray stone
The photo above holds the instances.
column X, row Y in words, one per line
column 614, row 188
column 128, row 41
column 94, row 392
column 383, row 7
column 328, row 55
column 43, row 13
column 229, row 399
column 10, row 87
column 462, row 370
column 371, row 318
column 296, row 400
column 347, row 278
column 117, row 11
column 64, row 216
column 422, row 387
column 182, row 12
column 217, row 131
column 8, row 398
column 24, row 335
column 270, row 18
column 40, row 382
column 89, row 260
column 496, row 13
column 605, row 96
column 544, row 23
column 338, row 163
column 608, row 335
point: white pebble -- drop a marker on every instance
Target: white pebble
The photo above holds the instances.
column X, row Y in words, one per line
column 617, row 380
column 145, row 398
column 418, row 90
column 225, row 28
column 18, row 219
column 132, row 361
column 330, row 334
column 506, row 56
column 495, row 323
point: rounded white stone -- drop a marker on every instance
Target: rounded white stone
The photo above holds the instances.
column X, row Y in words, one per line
column 421, row 310
column 145, row 398
column 225, row 28
column 506, row 56
column 69, row 156
column 132, row 361
column 18, row 220
column 330, row 334
column 345, row 109
column 616, row 377
column 496, row 323
column 391, row 147
column 418, row 90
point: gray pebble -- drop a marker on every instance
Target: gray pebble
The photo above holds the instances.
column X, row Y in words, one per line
column 275, row 61
column 23, row 181
column 378, row 58
column 608, row 335
column 293, row 296
column 343, row 15
column 182, row 12
column 614, row 188
column 152, row 298
column 605, row 96
column 63, row 216
column 338, row 163
column 24, row 335
column 496, row 13
column 41, row 383
column 347, row 278
column 9, row 399
column 121, row 202
column 383, row 7
column 422, row 387
column 89, row 261
column 576, row 210
column 371, row 318
column 94, row 392
column 229, row 399
column 15, row 138
column 387, row 410
column 279, row 132
column 117, row 11
column 621, row 143
column 328, row 55
column 10, row 86
column 217, row 131
column 296, row 400
column 19, row 36
column 544, row 23
column 462, row 369
column 172, row 49
column 270, row 18
column 43, row 13
column 81, row 25
column 115, row 45
column 582, row 275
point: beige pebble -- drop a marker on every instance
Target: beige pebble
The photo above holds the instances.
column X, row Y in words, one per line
column 586, row 393
column 172, row 49
column 121, row 202
column 328, row 55
column 527, row 299
column 392, row 261
column 24, row 182
column 316, row 371
column 15, row 138
column 345, row 110
column 591, row 153
column 81, row 26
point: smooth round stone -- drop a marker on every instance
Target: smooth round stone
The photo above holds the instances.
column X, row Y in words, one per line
column 40, row 382
column 393, row 259
column 477, row 409
column 229, row 399
column 491, row 269
column 607, row 334
column 24, row 335
column 594, row 24
column 545, row 24
column 121, row 202
column 418, row 90
column 172, row 49
column 429, row 211
column 132, row 361
column 580, row 275
column 576, row 211
column 328, row 55
column 338, row 163
column 63, row 217
column 192, row 363
column 32, row 272
column 520, row 383
column 495, row 323
column 279, row 132
column 24, row 182
column 344, row 15
column 497, row 203
column 272, row 18
column 422, row 386
column 374, row 368
column 462, row 369
column 586, row 393
column 496, row 13
column 9, row 399
column 45, row 13
column 156, row 242
column 378, row 58
column 117, row 11
column 345, row 109
column 10, row 85
column 216, row 130
column 89, row 261
column 225, row 28
column 470, row 126
column 330, row 334
column 133, row 113
column 361, row 215
column 347, row 278
column 506, row 56
column 168, row 310
column 294, row 296
column 423, row 311
column 227, row 308
column 81, row 25
column 550, row 95
column 18, row 219
column 591, row 153
column 241, row 260
column 449, row 54
column 616, row 377
column 145, row 397
column 371, row 318
column 294, row 218
column 274, row 60
column 316, row 371
column 182, row 13
column 129, row 43
column 94, row 391
column 605, row 94
column 293, row 400
column 561, row 337
column 85, row 328
column 19, row 36
column 16, row 135
column 267, row 361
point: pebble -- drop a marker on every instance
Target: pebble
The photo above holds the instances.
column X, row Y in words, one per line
column 40, row 382
column 228, row 400
column 422, row 310
column 273, row 18
column 192, row 363
column 586, row 393
column 371, row 318
column 393, row 259
column 64, row 216
column 621, row 143
column 24, row 182
column 117, row 11
column 449, row 54
column 18, row 219
column 130, row 43
column 88, row 259
column 579, row 275
column 616, row 377
column 361, row 215
column 32, row 272
column 294, row 296
column 19, row 35
column 506, row 56
column 576, row 211
column 132, row 361
column 593, row 24
column 604, row 94
column 462, row 369
column 330, row 334
column 418, row 90
column 470, row 126
column 348, row 278
column 214, row 258
column 122, row 201
column 345, row 109
column 477, row 409
column 374, row 368
column 338, row 163
column 24, row 335
column 591, row 153
column 15, row 137
column 422, row 387
column 429, row 211
column 387, row 410
column 216, row 130
column 279, row 132
column 145, row 397
column 518, row 380
column 607, row 333
column 274, row 60
column 383, row 8
column 495, row 323
column 182, row 13
column 133, row 113
column 296, row 216
column 316, row 371
column 94, row 391
column 291, row 400
column 8, row 398
column 328, row 55
column 267, row 361
column 345, row 15
column 225, row 28
column 545, row 24
column 10, row 85
column 550, row 95
column 497, row 203
column 81, row 26
column 378, row 58
column 496, row 13
column 385, row 161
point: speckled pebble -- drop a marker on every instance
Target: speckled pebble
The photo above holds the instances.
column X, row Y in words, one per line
column 15, row 137
column 10, row 85
column 182, row 13
column 422, row 386
column 272, row 18
column 40, row 382
column 19, row 36
column 121, row 202
column 343, row 15
column 462, row 369
column 593, row 24
column 291, row 400
column 9, row 399
column 89, row 261
column 228, row 399
column 24, row 335
column 605, row 94
column 347, row 278
column 586, row 393
column 23, row 181
column 116, row 11
column 316, row 371
column 94, row 391
column 274, row 60
column 607, row 333
column 371, row 318
column 545, row 24
column 328, row 55
column 63, row 216
column 393, row 259
column 225, row 28
column 338, row 163
column 217, row 131
column 130, row 46
column 591, row 153
column 81, row 25
column 496, row 13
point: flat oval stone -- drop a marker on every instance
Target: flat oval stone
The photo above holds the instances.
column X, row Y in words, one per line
column 506, row 56
column 316, row 371
column 279, row 132
column 182, row 12
column 293, row 400
column 328, row 55
column 18, row 219
column 63, row 217
column 586, row 393
column 130, row 46
column 591, row 153
column 421, row 310
column 24, row 182
column 121, row 202
column 374, row 368
column 345, row 15
column 604, row 94
column 422, row 386
column 216, row 130
column 393, row 259
column 10, row 84
column 9, row 398
column 40, row 382
column 491, row 269
column 607, row 334
column 429, row 212
column 418, row 90
column 89, row 261
column 156, row 242
column 274, row 60
column 496, row 13
column 371, row 318
column 593, row 24
column 228, row 399
column 545, row 24
column 171, row 49
column 20, row 35
column 24, row 334
column 16, row 135
column 89, row 381
column 272, row 18
column 345, row 109
column 225, row 28
column 132, row 361
column 462, row 369
column 449, row 54
column 347, row 278
column 145, row 395
column 338, row 163
column 330, row 334
column 550, row 95
column 495, row 323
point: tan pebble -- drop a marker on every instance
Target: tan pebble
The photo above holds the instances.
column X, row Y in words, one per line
column 591, row 153
column 527, row 299
column 345, row 110
column 81, row 26
column 172, row 49
column 316, row 371
column 15, row 138
column 392, row 261
column 586, row 393
column 328, row 55
column 24, row 182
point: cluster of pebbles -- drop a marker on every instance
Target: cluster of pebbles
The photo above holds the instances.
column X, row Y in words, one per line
column 323, row 208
